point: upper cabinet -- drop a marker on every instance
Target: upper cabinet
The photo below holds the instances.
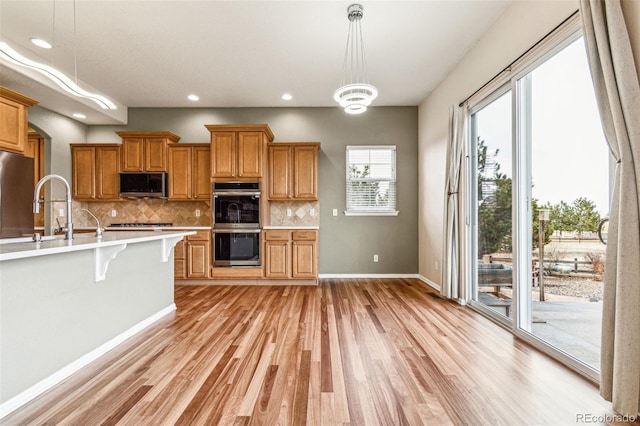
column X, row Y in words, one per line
column 293, row 171
column 94, row 172
column 238, row 151
column 189, row 172
column 13, row 120
column 145, row 151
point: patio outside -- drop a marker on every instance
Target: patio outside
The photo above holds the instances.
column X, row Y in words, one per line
column 570, row 316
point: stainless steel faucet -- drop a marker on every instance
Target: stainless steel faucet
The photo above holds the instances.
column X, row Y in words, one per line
column 68, row 229
column 99, row 229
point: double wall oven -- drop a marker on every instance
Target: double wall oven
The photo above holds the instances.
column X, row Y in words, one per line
column 236, row 224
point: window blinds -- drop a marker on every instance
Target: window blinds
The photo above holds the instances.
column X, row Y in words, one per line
column 371, row 178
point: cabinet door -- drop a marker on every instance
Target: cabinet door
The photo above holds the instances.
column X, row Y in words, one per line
column 83, row 171
column 250, row 154
column 305, row 177
column 107, row 168
column 35, row 150
column 279, row 172
column 305, row 254
column 277, row 259
column 304, row 259
column 155, row 154
column 201, row 174
column 179, row 172
column 132, row 155
column 13, row 125
column 197, row 259
column 223, row 154
column 179, row 270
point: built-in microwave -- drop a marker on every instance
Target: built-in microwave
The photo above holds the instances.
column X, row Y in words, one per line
column 143, row 185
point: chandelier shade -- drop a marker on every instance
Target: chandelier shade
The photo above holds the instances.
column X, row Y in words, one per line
column 355, row 93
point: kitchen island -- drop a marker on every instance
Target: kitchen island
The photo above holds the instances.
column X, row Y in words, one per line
column 64, row 303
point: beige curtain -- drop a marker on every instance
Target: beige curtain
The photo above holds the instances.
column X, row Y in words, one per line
column 452, row 242
column 618, row 93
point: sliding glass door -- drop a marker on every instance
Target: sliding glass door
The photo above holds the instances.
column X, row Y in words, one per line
column 491, row 139
column 569, row 196
column 538, row 189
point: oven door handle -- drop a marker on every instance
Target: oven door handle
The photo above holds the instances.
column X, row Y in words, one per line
column 238, row 193
column 236, row 231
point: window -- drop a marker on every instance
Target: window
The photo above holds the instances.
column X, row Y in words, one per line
column 371, row 180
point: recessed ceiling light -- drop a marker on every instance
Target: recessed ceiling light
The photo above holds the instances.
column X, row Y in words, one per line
column 41, row 43
column 78, row 115
column 287, row 97
column 193, row 98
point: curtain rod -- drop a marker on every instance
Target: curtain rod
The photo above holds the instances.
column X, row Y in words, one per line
column 519, row 57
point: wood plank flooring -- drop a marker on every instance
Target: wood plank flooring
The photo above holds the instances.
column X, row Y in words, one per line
column 359, row 352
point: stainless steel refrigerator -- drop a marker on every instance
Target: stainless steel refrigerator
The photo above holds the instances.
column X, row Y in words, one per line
column 16, row 195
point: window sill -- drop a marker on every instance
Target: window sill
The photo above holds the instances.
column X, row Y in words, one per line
column 373, row 213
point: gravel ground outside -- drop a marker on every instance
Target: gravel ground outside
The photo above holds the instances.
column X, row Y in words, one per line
column 583, row 288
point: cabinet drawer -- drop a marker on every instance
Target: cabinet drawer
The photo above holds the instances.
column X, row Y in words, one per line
column 305, row 235
column 199, row 236
column 276, row 235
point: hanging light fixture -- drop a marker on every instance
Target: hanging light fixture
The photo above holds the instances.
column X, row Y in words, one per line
column 69, row 85
column 355, row 93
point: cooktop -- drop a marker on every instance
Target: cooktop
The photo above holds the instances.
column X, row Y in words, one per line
column 141, row 225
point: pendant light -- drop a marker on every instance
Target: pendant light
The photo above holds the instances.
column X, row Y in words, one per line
column 69, row 85
column 355, row 93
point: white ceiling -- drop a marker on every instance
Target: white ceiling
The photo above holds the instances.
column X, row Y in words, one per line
column 149, row 53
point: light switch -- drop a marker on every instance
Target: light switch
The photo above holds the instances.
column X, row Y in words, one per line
column 335, row 212
column 312, row 212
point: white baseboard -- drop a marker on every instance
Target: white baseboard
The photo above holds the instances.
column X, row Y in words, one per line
column 42, row 386
column 429, row 283
column 347, row 276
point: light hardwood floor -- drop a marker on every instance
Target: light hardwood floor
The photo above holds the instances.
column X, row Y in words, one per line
column 360, row 352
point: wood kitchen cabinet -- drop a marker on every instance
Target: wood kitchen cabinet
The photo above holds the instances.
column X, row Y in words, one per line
column 145, row 151
column 179, row 264
column 189, row 172
column 291, row 254
column 94, row 172
column 13, row 120
column 35, row 149
column 192, row 256
column 238, row 151
column 293, row 171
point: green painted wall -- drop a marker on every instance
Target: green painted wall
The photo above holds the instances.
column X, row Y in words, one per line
column 347, row 244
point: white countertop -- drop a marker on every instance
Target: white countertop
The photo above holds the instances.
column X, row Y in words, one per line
column 18, row 248
column 290, row 227
column 154, row 228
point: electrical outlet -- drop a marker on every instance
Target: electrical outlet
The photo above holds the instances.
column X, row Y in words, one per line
column 60, row 212
column 335, row 212
column 375, row 258
column 312, row 212
column 113, row 213
column 289, row 213
column 197, row 212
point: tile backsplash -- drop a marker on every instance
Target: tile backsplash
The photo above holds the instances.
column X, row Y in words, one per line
column 143, row 211
column 181, row 213
column 300, row 213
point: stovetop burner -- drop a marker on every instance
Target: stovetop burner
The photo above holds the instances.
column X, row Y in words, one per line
column 141, row 225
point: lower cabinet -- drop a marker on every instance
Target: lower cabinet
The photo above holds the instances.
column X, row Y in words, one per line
column 192, row 256
column 291, row 253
